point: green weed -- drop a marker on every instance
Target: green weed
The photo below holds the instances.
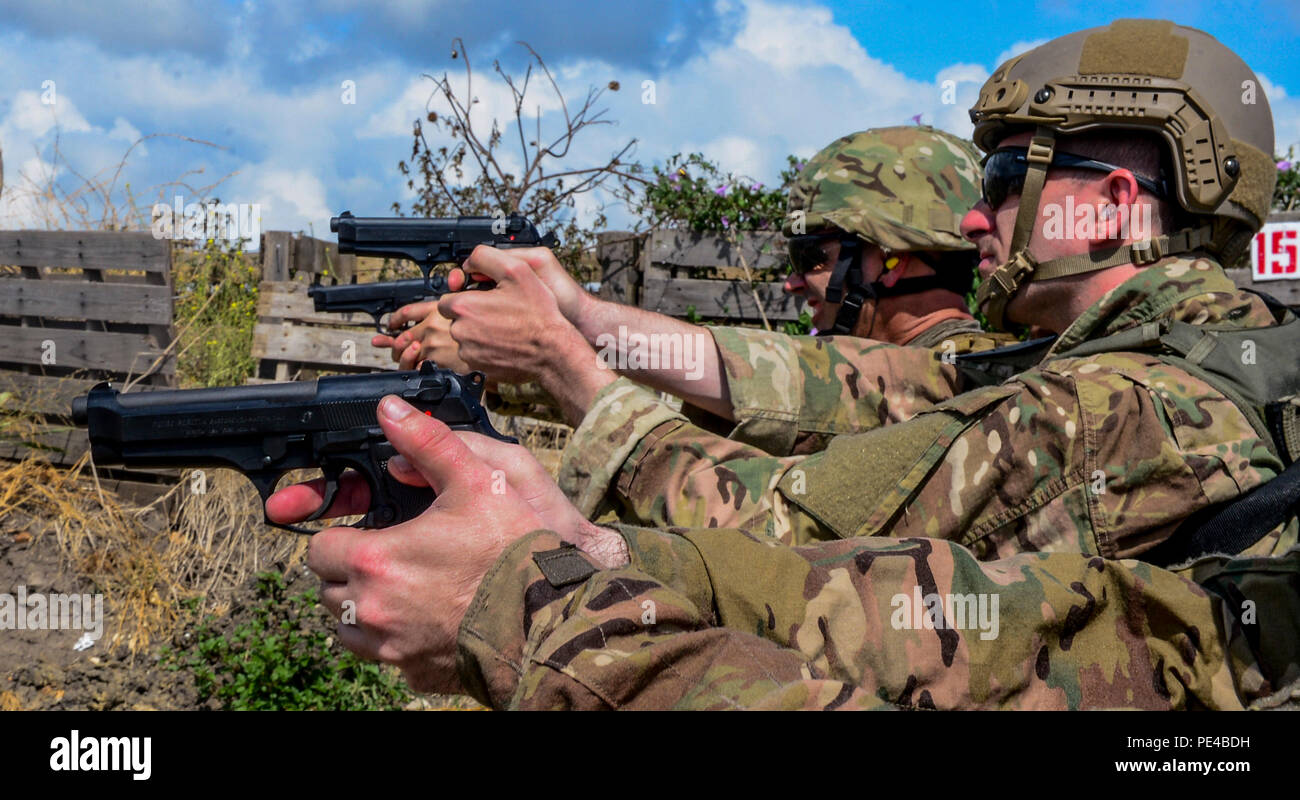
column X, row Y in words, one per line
column 281, row 659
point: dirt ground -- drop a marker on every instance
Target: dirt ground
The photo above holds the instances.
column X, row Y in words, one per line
column 42, row 670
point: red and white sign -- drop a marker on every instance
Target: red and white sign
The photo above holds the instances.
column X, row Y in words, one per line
column 1273, row 252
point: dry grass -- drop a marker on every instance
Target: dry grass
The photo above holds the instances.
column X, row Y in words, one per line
column 147, row 558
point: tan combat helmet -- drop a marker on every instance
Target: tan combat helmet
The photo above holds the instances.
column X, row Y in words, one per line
column 1153, row 76
column 904, row 188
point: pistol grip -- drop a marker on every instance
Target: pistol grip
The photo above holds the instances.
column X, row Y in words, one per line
column 391, row 501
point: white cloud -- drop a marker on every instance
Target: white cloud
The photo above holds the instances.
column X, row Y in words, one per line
column 1286, row 116
column 963, row 73
column 307, row 48
column 29, row 118
column 126, row 132
column 736, row 154
column 1016, row 49
column 290, row 199
column 21, row 204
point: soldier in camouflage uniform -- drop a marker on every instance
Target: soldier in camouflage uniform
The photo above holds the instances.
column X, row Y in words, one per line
column 726, row 618
column 873, row 221
column 895, row 198
column 1103, row 447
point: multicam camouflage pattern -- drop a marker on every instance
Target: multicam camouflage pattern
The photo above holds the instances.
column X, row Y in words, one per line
column 722, row 619
column 1103, row 455
column 524, row 400
column 791, row 394
column 903, row 188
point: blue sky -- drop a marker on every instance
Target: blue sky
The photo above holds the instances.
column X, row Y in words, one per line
column 744, row 81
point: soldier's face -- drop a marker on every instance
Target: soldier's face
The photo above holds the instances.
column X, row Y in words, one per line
column 811, row 285
column 1042, row 302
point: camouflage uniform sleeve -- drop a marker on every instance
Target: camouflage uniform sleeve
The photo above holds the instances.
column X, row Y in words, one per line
column 620, row 640
column 792, row 393
column 720, row 619
column 620, row 416
column 524, row 400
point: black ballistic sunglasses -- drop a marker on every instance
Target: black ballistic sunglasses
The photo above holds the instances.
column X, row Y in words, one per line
column 1005, row 169
column 808, row 251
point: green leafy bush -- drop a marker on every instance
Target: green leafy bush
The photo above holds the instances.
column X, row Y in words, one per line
column 692, row 193
column 216, row 310
column 282, row 659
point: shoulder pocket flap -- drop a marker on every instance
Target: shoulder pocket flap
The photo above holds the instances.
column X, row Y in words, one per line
column 860, row 482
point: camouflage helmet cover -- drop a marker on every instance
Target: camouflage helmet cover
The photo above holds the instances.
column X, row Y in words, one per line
column 901, row 188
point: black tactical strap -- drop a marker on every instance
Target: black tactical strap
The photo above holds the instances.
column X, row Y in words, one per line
column 988, row 367
column 846, row 288
column 1233, row 527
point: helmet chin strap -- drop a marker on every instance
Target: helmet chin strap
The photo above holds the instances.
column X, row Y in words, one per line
column 997, row 290
column 846, row 288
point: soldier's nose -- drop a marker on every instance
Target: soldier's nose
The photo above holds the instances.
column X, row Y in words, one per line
column 794, row 284
column 977, row 222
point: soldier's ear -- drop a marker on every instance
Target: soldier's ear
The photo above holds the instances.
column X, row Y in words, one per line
column 896, row 266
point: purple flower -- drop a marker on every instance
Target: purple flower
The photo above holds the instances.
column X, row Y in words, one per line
column 1283, row 166
column 726, row 223
column 721, row 191
column 802, row 164
column 756, row 187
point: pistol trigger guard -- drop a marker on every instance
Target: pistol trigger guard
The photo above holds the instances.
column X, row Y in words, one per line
column 331, row 490
column 265, row 483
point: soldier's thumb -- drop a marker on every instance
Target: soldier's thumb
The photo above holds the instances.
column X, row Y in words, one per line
column 432, row 448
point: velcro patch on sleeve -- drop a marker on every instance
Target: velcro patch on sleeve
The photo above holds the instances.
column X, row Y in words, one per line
column 563, row 566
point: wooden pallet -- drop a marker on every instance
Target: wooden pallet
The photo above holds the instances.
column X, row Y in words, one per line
column 78, row 308
column 293, row 341
column 679, row 273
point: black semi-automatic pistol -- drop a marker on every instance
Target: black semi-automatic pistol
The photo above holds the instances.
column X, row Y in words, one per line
column 267, row 430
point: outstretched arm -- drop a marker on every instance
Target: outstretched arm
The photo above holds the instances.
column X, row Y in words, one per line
column 512, row 329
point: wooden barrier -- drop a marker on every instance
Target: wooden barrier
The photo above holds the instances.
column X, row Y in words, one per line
column 304, row 259
column 679, row 273
column 78, row 308
column 293, row 341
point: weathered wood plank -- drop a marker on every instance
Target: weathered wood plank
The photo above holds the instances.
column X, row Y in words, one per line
column 61, row 447
column 66, row 447
column 720, row 299
column 323, row 347
column 86, row 249
column 762, row 250
column 41, row 395
column 138, row 492
column 88, row 300
column 115, row 352
column 319, row 257
column 1287, row 291
column 288, row 300
column 276, row 248
column 619, row 255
